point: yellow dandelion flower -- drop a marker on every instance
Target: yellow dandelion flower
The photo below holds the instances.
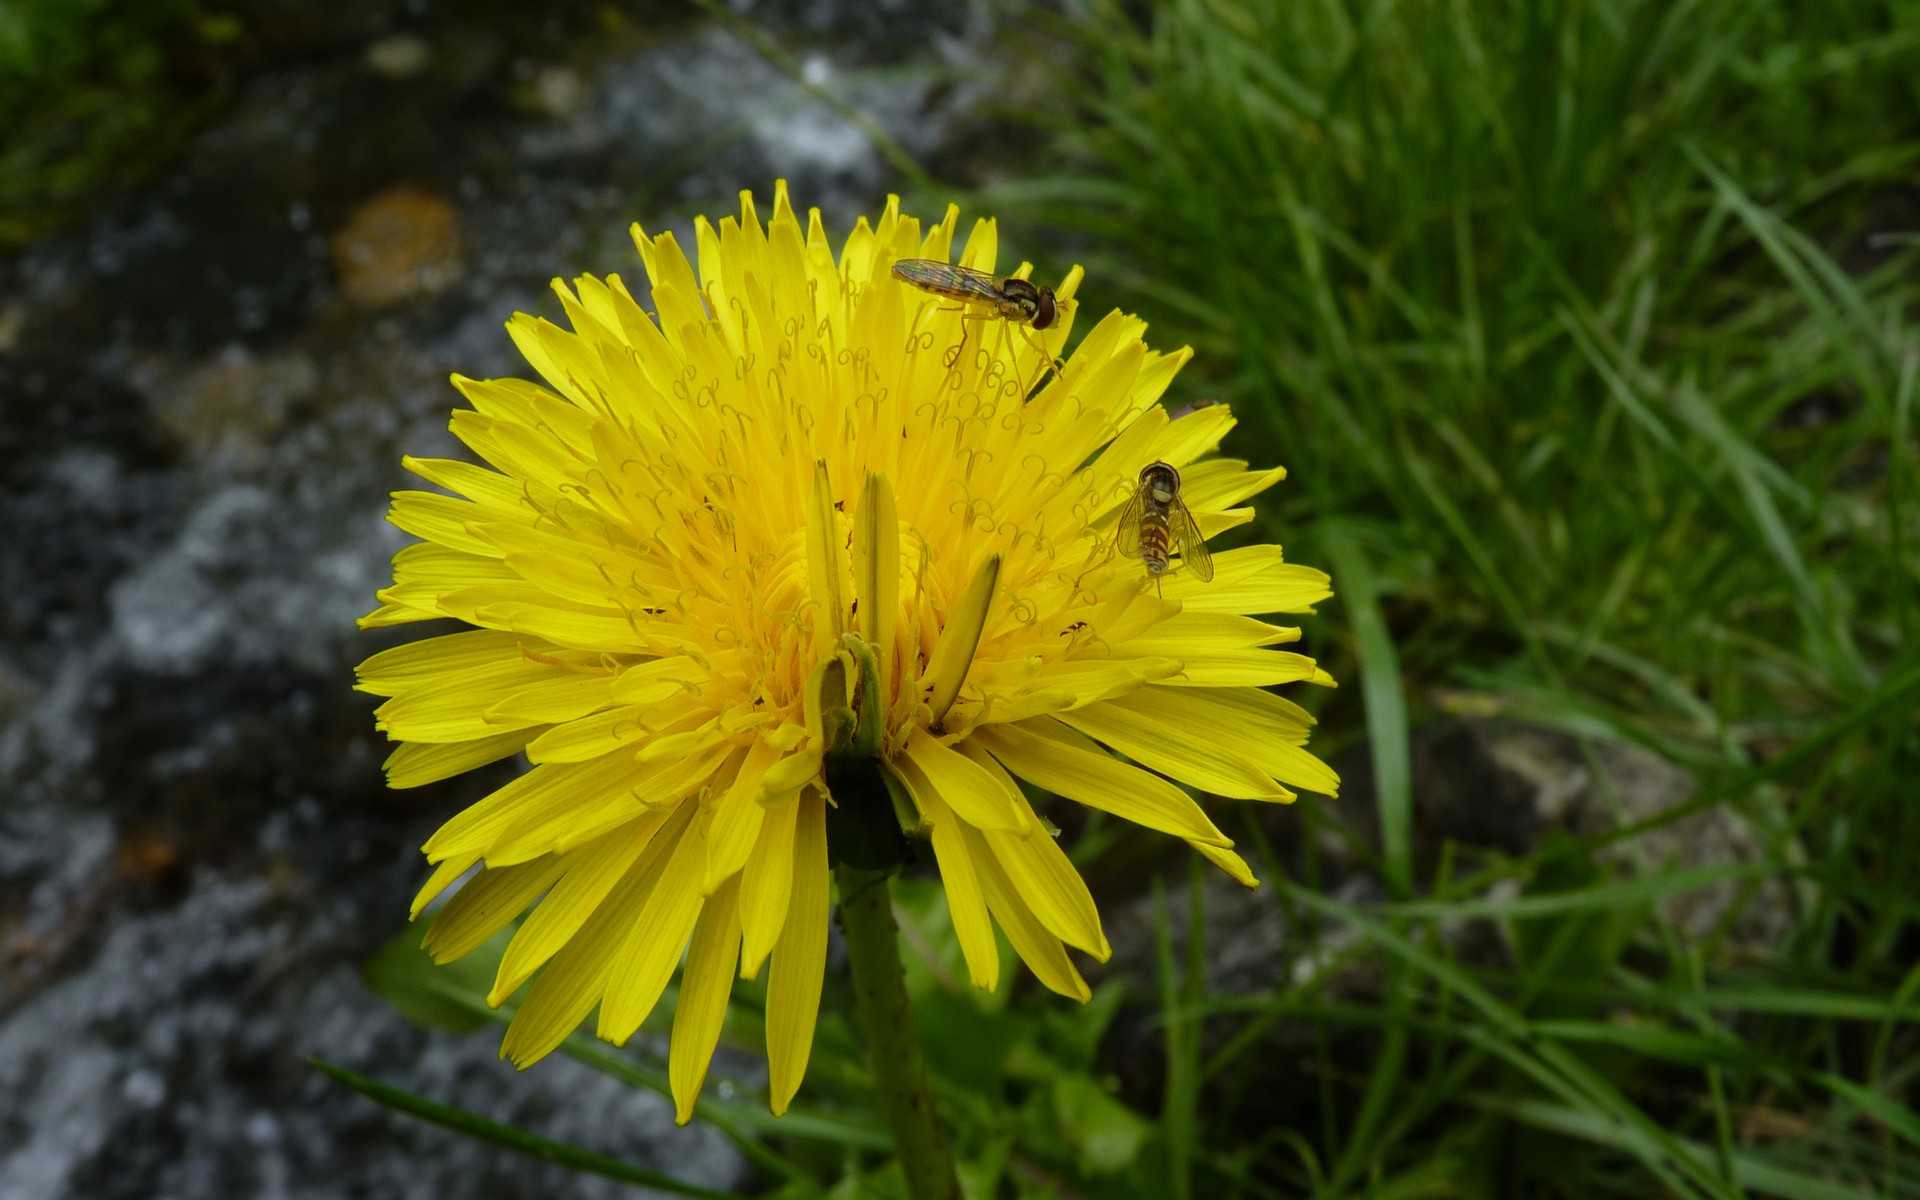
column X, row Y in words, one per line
column 806, row 496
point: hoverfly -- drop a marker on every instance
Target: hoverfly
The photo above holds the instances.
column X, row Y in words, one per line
column 1157, row 521
column 1014, row 300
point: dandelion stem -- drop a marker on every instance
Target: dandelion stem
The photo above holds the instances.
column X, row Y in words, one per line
column 899, row 1070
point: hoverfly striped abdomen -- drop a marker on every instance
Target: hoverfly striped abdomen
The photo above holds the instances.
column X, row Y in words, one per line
column 1157, row 521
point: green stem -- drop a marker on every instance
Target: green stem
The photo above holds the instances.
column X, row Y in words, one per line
column 899, row 1070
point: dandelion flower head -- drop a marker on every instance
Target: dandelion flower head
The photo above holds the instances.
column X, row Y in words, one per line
column 800, row 488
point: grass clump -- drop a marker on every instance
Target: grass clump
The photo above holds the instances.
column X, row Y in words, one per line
column 1585, row 327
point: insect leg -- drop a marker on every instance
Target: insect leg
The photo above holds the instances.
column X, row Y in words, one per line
column 1046, row 356
column 959, row 348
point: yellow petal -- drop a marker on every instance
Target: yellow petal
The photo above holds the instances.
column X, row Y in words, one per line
column 966, row 787
column 425, row 571
column 591, row 875
column 1037, row 947
column 545, row 787
column 704, row 987
column 1041, row 873
column 554, row 700
column 495, row 599
column 558, row 356
column 442, row 519
column 1218, row 483
column 392, row 613
column 966, row 904
column 604, row 732
column 687, row 742
column 441, row 879
column 1144, row 731
column 766, row 885
column 1269, row 730
column 642, row 683
column 476, row 483
column 1235, row 866
column 606, row 632
column 453, row 707
column 1185, row 632
column 1131, row 612
column 564, row 993
column 414, row 764
column 1113, row 472
column 521, row 448
column 800, row 958
column 1057, row 687
column 645, row 963
column 737, row 817
column 574, row 568
column 785, row 737
column 1246, row 668
column 391, row 672
column 826, row 564
column 573, row 821
column 491, row 899
column 1049, row 755
column 1252, row 579
column 953, row 652
column 983, row 246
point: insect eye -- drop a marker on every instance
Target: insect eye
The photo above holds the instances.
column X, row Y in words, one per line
column 1043, row 310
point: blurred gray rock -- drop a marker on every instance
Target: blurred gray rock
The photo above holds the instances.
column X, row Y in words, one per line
column 204, row 396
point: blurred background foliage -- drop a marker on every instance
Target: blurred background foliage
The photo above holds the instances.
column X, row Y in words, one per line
column 1585, row 327
column 94, row 94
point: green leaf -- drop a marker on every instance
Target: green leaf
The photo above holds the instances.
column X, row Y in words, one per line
column 403, row 974
column 1105, row 1133
column 1076, row 1033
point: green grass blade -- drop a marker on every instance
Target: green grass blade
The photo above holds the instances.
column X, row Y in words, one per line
column 1900, row 470
column 1750, row 1170
column 1882, row 1108
column 1638, row 890
column 1380, row 686
column 1508, row 1034
column 1178, row 1121
column 508, row 1137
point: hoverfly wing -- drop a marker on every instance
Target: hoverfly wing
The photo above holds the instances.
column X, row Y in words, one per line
column 1127, row 535
column 1193, row 547
column 947, row 279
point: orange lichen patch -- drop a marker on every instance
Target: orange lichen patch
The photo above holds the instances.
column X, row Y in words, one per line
column 146, row 857
column 403, row 244
column 227, row 410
